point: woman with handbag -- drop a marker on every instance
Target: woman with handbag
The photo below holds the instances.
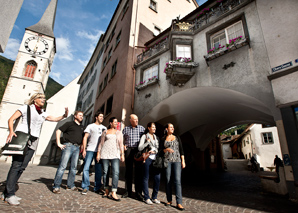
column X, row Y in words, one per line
column 111, row 150
column 20, row 162
column 149, row 139
column 174, row 155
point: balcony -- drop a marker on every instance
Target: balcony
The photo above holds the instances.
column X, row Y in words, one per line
column 158, row 47
column 179, row 72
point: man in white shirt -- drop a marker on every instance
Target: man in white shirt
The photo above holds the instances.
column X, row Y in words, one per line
column 90, row 144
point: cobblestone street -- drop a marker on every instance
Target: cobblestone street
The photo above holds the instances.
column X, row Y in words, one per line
column 214, row 192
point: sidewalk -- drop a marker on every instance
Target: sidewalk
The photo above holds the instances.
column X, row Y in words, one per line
column 217, row 192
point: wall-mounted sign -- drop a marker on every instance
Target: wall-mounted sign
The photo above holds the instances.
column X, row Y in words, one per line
column 296, row 61
column 283, row 66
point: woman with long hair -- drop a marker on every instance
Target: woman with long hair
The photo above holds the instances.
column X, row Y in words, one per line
column 20, row 162
column 111, row 150
column 174, row 155
column 149, row 139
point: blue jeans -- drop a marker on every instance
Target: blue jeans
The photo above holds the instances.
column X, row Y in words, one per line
column 156, row 173
column 175, row 168
column 115, row 173
column 85, row 180
column 70, row 152
column 18, row 165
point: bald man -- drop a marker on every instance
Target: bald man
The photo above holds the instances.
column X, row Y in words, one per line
column 132, row 135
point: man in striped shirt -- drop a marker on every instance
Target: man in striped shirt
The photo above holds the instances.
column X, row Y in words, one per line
column 132, row 135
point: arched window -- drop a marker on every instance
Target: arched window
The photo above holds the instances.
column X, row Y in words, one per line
column 30, row 69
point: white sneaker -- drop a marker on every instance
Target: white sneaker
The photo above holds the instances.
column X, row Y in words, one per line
column 3, row 197
column 156, row 201
column 148, row 201
column 84, row 192
column 12, row 200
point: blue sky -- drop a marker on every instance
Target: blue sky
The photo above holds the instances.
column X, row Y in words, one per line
column 78, row 26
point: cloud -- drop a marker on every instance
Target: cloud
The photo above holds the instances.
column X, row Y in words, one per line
column 90, row 36
column 56, row 76
column 84, row 63
column 64, row 50
column 35, row 7
column 12, row 48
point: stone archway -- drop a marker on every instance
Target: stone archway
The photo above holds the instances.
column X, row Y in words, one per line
column 206, row 111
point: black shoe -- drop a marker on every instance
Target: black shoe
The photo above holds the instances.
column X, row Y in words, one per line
column 180, row 208
column 139, row 197
column 111, row 197
column 126, row 194
column 168, row 203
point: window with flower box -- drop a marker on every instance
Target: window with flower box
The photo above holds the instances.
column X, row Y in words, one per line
column 267, row 138
column 223, row 37
column 150, row 72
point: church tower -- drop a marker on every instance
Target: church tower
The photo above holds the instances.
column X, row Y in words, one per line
column 32, row 67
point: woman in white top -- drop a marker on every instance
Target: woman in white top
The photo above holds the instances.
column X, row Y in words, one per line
column 151, row 140
column 111, row 150
column 20, row 162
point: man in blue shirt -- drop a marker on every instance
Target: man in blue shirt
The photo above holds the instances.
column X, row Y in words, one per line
column 132, row 135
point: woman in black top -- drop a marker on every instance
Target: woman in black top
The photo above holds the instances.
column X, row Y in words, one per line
column 174, row 155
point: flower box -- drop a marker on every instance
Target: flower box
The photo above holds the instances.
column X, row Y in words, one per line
column 149, row 82
column 180, row 72
column 233, row 45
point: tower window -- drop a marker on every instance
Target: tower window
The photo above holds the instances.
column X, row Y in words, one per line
column 30, row 69
column 24, row 86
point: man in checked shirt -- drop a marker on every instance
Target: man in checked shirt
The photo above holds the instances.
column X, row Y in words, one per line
column 132, row 135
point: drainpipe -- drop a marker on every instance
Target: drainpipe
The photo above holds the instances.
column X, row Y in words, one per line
column 133, row 59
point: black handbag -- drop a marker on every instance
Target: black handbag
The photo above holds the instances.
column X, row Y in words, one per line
column 18, row 144
column 160, row 162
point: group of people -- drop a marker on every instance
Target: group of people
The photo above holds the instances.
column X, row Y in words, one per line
column 107, row 147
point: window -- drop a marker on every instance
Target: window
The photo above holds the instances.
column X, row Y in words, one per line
column 105, row 82
column 114, row 67
column 222, row 37
column 112, row 33
column 244, row 144
column 118, row 38
column 125, row 8
column 156, row 31
column 104, row 62
column 183, row 51
column 110, row 53
column 153, row 5
column 267, row 137
column 109, row 105
column 100, row 88
column 296, row 113
column 102, row 108
column 30, row 69
column 150, row 72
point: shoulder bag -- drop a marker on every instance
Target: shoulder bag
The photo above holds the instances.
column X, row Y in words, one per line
column 142, row 155
column 18, row 144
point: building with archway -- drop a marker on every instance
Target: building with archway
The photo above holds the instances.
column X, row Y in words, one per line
column 217, row 68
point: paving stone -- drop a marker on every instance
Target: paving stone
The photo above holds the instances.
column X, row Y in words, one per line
column 211, row 192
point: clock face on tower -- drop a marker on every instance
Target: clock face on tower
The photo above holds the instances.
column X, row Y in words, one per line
column 36, row 45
